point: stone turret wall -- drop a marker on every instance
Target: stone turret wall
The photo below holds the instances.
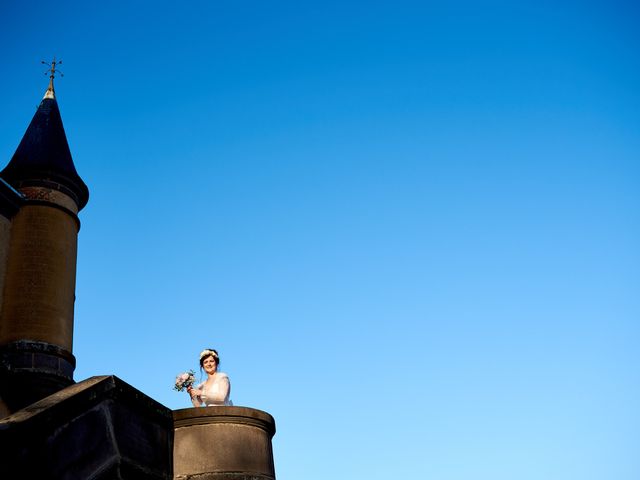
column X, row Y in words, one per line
column 5, row 232
column 10, row 201
column 5, row 229
column 38, row 297
column 223, row 443
column 39, row 293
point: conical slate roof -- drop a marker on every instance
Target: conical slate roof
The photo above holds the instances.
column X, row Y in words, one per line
column 43, row 157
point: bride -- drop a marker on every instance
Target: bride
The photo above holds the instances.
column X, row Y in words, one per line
column 215, row 390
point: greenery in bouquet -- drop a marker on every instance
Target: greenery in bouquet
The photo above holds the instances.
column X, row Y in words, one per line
column 185, row 380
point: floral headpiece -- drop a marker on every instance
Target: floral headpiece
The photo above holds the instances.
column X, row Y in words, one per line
column 207, row 352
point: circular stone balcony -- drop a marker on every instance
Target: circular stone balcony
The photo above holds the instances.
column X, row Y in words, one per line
column 223, row 443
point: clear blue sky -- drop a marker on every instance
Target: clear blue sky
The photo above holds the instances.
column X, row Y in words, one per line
column 411, row 229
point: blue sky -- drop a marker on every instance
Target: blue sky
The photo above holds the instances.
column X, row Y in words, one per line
column 410, row 228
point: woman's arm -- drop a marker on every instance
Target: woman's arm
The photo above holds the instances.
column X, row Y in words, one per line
column 195, row 394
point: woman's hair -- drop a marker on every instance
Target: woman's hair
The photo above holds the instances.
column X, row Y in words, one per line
column 209, row 352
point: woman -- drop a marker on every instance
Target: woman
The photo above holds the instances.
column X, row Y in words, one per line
column 215, row 390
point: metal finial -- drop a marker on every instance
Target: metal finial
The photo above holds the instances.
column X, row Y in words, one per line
column 52, row 70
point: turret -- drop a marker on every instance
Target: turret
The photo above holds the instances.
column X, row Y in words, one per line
column 41, row 194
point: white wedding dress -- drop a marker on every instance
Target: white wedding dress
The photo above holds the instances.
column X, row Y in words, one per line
column 218, row 391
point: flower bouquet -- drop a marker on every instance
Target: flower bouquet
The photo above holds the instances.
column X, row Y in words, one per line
column 185, row 381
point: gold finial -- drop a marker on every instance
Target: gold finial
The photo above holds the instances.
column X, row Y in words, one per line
column 52, row 70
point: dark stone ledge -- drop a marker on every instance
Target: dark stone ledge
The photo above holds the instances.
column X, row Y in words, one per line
column 30, row 371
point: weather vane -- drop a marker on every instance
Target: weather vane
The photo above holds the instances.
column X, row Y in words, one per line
column 52, row 68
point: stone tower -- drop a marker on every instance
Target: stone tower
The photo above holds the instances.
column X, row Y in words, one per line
column 99, row 428
column 41, row 194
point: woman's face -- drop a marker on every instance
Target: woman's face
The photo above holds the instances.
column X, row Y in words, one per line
column 209, row 364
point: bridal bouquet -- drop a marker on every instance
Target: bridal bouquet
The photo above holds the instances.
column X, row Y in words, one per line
column 185, row 380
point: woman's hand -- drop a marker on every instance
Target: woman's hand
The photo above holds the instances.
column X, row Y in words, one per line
column 195, row 396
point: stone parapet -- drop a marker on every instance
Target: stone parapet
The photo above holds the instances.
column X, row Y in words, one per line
column 223, row 443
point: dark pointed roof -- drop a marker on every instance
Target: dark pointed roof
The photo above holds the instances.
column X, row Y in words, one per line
column 43, row 157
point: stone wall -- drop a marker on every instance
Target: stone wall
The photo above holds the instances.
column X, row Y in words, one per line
column 98, row 429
